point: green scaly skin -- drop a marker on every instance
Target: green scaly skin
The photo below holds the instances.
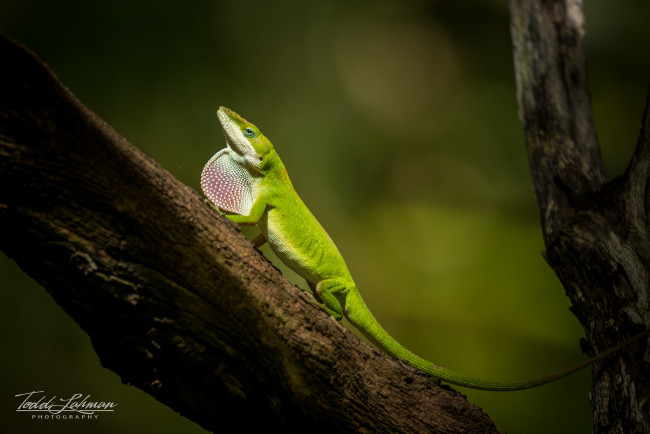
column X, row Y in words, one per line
column 248, row 179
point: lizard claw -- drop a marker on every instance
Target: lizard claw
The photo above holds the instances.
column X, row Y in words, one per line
column 311, row 299
column 337, row 323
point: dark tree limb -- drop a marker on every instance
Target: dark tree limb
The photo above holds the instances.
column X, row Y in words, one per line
column 596, row 232
column 174, row 299
column 554, row 103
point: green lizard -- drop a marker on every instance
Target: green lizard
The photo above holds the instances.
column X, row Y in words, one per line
column 248, row 180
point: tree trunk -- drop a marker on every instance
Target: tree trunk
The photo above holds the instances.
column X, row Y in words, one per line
column 174, row 299
column 595, row 231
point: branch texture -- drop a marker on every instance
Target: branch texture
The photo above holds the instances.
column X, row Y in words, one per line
column 174, row 299
column 596, row 232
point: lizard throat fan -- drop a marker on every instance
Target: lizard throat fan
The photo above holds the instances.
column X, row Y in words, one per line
column 227, row 183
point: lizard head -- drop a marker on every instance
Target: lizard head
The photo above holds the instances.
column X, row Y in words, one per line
column 245, row 139
column 228, row 179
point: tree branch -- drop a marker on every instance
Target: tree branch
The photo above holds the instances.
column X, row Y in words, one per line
column 596, row 232
column 554, row 102
column 174, row 299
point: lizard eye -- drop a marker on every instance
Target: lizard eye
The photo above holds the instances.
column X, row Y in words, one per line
column 249, row 132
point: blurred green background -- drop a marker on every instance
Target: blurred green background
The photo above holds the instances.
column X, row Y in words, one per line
column 397, row 122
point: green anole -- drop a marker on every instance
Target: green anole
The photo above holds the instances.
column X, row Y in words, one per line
column 248, row 180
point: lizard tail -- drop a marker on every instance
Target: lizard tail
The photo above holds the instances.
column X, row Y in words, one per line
column 360, row 316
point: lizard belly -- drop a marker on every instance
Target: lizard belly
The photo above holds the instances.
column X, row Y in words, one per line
column 303, row 245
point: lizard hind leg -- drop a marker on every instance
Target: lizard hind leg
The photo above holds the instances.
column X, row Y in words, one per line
column 330, row 292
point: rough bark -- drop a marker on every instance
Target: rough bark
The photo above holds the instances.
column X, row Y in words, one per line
column 595, row 231
column 174, row 299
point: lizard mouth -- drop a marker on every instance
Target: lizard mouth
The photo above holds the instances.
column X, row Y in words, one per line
column 235, row 140
column 242, row 150
column 229, row 129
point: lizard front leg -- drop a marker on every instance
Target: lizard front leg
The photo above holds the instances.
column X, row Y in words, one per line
column 257, row 210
